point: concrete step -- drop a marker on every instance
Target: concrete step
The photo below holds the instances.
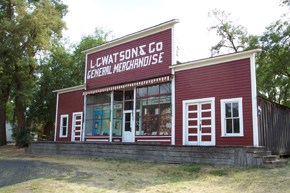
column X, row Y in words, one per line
column 275, row 163
column 261, row 153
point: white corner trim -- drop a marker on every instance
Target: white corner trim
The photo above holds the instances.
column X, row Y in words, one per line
column 56, row 114
column 86, row 67
column 111, row 117
column 254, row 101
column 173, row 61
column 134, row 36
column 84, row 117
column 214, row 60
column 70, row 89
column 173, row 109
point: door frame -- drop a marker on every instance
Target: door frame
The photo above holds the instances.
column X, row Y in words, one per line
column 185, row 103
column 74, row 125
column 124, row 133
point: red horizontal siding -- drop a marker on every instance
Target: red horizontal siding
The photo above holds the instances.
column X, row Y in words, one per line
column 137, row 74
column 68, row 103
column 222, row 81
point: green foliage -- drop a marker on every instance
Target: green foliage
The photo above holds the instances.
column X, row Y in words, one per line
column 222, row 172
column 273, row 69
column 59, row 69
column 24, row 136
column 232, row 36
column 27, row 28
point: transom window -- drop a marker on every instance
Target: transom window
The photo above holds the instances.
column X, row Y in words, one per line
column 232, row 117
column 63, row 125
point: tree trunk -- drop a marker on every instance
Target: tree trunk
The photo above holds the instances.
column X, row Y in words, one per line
column 3, row 140
column 20, row 117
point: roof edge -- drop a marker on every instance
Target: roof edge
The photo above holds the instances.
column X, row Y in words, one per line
column 133, row 36
column 214, row 60
column 70, row 89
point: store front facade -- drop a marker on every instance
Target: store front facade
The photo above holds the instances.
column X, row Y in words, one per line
column 135, row 92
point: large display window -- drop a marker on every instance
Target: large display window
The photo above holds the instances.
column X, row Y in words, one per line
column 98, row 114
column 153, row 110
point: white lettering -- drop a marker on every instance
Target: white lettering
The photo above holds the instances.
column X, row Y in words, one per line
column 151, row 48
column 159, row 46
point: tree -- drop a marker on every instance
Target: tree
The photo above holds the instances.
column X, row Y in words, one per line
column 59, row 69
column 273, row 69
column 27, row 28
column 233, row 37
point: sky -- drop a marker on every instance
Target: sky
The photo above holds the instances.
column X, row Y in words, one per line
column 194, row 40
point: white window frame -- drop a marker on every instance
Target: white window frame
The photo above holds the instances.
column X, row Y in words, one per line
column 223, row 125
column 61, row 125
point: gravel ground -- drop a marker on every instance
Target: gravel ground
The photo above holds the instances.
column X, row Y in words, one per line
column 16, row 171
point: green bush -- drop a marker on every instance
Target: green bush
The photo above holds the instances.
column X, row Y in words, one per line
column 23, row 137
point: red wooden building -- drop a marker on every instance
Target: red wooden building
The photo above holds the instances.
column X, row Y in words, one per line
column 135, row 91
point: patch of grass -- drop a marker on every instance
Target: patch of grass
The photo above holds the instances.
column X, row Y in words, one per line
column 72, row 174
column 219, row 172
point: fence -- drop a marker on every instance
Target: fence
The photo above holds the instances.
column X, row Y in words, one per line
column 274, row 127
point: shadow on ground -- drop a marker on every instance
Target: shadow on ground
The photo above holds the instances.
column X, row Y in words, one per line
column 17, row 171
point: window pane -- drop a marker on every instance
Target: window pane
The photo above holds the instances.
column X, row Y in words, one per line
column 102, row 97
column 127, row 117
column 129, row 94
column 229, row 125
column 89, row 127
column 118, row 95
column 153, row 90
column 228, row 110
column 165, row 88
column 128, row 105
column 63, row 131
column 235, row 109
column 141, row 103
column 118, row 110
column 165, row 125
column 165, row 105
column 117, row 126
column 97, row 127
column 142, row 92
column 106, row 111
column 64, row 121
column 105, row 126
column 153, row 125
column 127, row 126
column 236, row 125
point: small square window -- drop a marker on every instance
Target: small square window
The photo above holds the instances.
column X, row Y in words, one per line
column 232, row 117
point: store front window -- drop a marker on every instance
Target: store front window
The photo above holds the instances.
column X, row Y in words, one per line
column 98, row 114
column 153, row 110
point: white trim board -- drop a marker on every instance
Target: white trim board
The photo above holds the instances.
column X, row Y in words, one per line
column 134, row 36
column 254, row 101
column 70, row 89
column 214, row 60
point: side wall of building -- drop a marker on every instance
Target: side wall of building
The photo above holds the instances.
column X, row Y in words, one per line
column 68, row 103
column 221, row 81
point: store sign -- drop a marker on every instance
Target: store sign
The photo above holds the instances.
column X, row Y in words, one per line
column 126, row 60
column 137, row 59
